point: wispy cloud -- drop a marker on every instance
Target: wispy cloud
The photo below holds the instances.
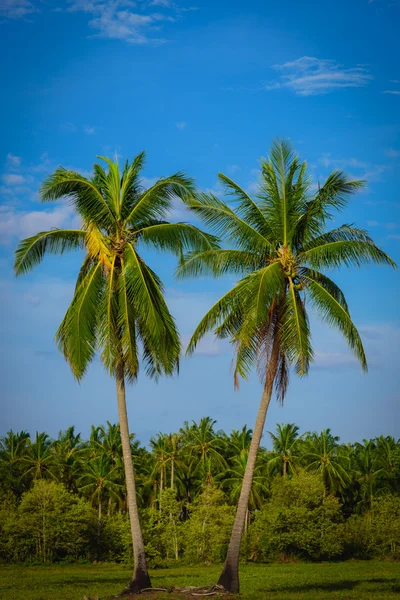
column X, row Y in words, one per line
column 13, row 179
column 310, row 76
column 118, row 20
column 13, row 162
column 16, row 9
column 89, row 130
column 393, row 92
column 364, row 170
column 68, row 127
column 19, row 224
column 392, row 153
column 181, row 125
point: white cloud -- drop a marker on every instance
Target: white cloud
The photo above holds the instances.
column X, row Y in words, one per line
column 13, row 162
column 24, row 224
column 372, row 223
column 68, row 127
column 393, row 92
column 363, row 170
column 180, row 125
column 16, row 9
column 392, row 153
column 117, row 21
column 89, row 130
column 309, row 76
column 13, row 179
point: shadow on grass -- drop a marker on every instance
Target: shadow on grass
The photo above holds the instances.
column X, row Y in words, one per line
column 334, row 586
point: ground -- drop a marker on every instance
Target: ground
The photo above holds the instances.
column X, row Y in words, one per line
column 368, row 580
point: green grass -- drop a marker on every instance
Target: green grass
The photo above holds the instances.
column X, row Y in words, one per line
column 350, row 580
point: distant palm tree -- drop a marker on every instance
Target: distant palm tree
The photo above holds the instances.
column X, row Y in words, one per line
column 98, row 480
column 118, row 306
column 278, row 242
column 284, row 444
column 204, row 446
column 322, row 454
column 38, row 459
column 65, row 451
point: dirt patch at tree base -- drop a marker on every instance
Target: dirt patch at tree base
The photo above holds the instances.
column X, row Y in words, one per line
column 175, row 593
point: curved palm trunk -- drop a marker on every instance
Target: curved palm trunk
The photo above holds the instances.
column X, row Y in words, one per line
column 140, row 579
column 229, row 578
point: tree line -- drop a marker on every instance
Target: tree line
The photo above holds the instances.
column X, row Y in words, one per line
column 277, row 243
column 66, row 498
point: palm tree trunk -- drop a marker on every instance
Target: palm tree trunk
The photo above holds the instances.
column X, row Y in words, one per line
column 229, row 578
column 172, row 472
column 140, row 579
column 284, row 467
column 99, row 523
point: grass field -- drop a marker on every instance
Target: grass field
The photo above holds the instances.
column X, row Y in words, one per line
column 356, row 580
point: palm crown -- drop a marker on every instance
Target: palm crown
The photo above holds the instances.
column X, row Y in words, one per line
column 278, row 241
column 118, row 303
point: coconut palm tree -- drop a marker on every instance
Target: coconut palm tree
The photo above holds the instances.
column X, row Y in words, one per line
column 118, row 307
column 38, row 460
column 278, row 242
column 323, row 455
column 205, row 447
column 284, row 444
column 65, row 451
column 99, row 479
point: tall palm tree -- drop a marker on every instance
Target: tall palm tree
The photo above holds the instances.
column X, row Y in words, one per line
column 284, row 444
column 118, row 305
column 278, row 242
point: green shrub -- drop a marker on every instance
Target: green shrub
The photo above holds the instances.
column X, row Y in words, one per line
column 298, row 521
column 206, row 534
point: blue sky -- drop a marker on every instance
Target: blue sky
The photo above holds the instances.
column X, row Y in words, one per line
column 204, row 87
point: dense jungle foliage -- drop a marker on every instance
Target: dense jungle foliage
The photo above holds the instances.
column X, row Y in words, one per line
column 313, row 498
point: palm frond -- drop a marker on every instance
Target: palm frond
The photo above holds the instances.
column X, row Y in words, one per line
column 218, row 263
column 295, row 331
column 331, row 305
column 246, row 207
column 76, row 336
column 84, row 194
column 31, row 251
column 226, row 223
column 156, row 326
column 156, row 202
column 343, row 246
column 131, row 186
column 176, row 237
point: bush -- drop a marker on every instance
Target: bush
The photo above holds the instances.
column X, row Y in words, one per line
column 298, row 521
column 377, row 532
column 206, row 534
column 49, row 524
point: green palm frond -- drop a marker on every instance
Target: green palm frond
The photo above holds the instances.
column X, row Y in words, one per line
column 76, row 336
column 31, row 251
column 218, row 263
column 131, row 186
column 85, row 195
column 156, row 326
column 224, row 221
column 330, row 304
column 156, row 202
column 343, row 246
column 246, row 207
column 176, row 237
column 295, row 331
